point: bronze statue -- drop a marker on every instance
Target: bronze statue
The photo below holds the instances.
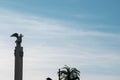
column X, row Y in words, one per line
column 19, row 39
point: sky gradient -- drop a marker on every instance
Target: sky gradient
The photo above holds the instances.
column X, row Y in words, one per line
column 82, row 34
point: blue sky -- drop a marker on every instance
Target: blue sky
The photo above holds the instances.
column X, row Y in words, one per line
column 82, row 34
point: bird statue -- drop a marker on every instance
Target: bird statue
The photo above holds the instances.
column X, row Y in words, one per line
column 19, row 38
column 15, row 35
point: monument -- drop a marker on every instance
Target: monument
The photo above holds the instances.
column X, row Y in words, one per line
column 18, row 53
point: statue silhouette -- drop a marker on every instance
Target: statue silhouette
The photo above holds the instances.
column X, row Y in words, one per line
column 19, row 39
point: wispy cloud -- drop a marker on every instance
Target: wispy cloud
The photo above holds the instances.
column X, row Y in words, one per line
column 11, row 20
column 90, row 77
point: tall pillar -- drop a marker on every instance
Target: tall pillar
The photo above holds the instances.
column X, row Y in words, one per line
column 18, row 63
column 18, row 53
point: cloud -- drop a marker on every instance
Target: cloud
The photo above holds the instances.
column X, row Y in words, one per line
column 46, row 26
column 85, row 16
column 96, row 77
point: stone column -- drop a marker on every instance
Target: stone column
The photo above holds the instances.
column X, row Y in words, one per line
column 18, row 63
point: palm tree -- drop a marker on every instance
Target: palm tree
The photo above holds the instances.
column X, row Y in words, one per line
column 68, row 73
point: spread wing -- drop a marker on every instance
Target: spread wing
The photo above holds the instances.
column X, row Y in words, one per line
column 15, row 35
